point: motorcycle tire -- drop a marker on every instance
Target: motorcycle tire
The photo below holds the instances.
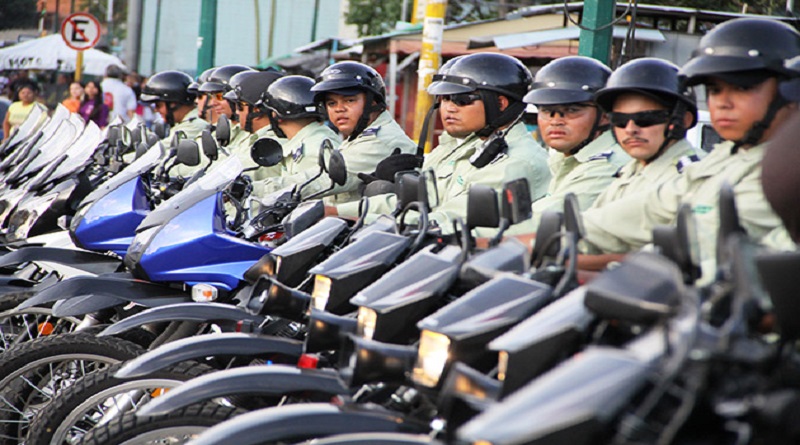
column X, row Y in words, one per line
column 174, row 428
column 34, row 372
column 80, row 407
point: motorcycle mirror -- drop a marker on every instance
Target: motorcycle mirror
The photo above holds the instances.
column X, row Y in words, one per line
column 136, row 137
column 337, row 169
column 516, row 201
column 141, row 148
column 406, row 188
column 427, row 182
column 223, row 131
column 152, row 138
column 210, row 148
column 161, row 130
column 126, row 136
column 545, row 245
column 267, row 152
column 729, row 222
column 679, row 244
column 573, row 221
column 188, row 153
column 482, row 206
column 113, row 135
column 780, row 279
column 327, row 145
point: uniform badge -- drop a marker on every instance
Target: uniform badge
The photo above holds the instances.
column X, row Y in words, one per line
column 298, row 154
column 373, row 131
column 605, row 155
column 686, row 160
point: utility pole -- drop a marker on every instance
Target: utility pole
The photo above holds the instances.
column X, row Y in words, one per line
column 207, row 40
column 429, row 61
column 594, row 42
column 133, row 41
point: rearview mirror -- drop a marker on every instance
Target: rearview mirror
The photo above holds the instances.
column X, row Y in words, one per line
column 406, row 188
column 327, row 145
column 482, row 208
column 267, row 152
column 113, row 135
column 516, row 201
column 337, row 169
column 573, row 220
column 188, row 153
column 161, row 130
column 545, row 244
column 210, row 148
column 223, row 131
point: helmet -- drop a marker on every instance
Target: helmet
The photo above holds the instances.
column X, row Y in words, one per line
column 652, row 77
column 201, row 79
column 490, row 75
column 496, row 72
column 348, row 77
column 291, row 98
column 249, row 86
column 168, row 86
column 790, row 89
column 219, row 80
column 753, row 48
column 568, row 80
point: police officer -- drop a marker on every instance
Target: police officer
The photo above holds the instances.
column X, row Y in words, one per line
column 202, row 100
column 354, row 97
column 649, row 110
column 215, row 87
column 584, row 157
column 296, row 116
column 173, row 101
column 740, row 63
column 246, row 90
column 479, row 95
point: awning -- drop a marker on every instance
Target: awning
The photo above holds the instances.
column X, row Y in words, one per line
column 536, row 38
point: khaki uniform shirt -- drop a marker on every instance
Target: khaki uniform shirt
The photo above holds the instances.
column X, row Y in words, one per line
column 455, row 174
column 626, row 223
column 241, row 144
column 300, row 162
column 586, row 174
column 191, row 126
column 362, row 154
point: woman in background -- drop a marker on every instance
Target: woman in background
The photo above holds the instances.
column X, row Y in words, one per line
column 92, row 108
column 73, row 102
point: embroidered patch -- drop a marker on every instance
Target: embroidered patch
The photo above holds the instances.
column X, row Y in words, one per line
column 603, row 155
column 371, row 131
column 702, row 209
column 686, row 160
column 298, row 154
column 460, row 180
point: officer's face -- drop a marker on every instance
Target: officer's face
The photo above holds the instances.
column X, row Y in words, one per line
column 565, row 126
column 161, row 108
column 460, row 118
column 201, row 100
column 637, row 137
column 735, row 109
column 345, row 111
column 219, row 104
column 242, row 109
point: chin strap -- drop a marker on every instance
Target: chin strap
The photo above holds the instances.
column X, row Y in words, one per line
column 494, row 117
column 234, row 114
column 592, row 134
column 171, row 107
column 363, row 121
column 756, row 132
column 205, row 108
column 273, row 123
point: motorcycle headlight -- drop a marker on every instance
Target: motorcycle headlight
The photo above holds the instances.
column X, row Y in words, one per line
column 321, row 293
column 502, row 365
column 367, row 319
column 432, row 356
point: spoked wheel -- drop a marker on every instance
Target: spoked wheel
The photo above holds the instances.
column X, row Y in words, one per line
column 20, row 326
column 34, row 372
column 99, row 397
column 174, row 428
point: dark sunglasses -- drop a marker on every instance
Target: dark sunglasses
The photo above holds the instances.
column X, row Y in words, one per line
column 641, row 119
column 461, row 99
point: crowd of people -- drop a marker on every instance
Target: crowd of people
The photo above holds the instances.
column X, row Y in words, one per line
column 614, row 139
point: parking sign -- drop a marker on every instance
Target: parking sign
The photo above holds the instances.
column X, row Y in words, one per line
column 80, row 31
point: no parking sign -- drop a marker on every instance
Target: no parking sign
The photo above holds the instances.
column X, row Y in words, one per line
column 80, row 31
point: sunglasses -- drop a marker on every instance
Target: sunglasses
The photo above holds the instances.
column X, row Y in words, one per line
column 566, row 111
column 641, row 119
column 217, row 95
column 461, row 99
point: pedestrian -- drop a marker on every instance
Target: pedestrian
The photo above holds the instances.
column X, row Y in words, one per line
column 118, row 97
column 93, row 107
column 18, row 111
column 73, row 102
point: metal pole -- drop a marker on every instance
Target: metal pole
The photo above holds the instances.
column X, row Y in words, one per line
column 78, row 66
column 133, row 41
column 429, row 61
column 56, row 20
column 257, row 16
column 594, row 42
column 207, row 40
column 155, row 38
column 110, row 22
column 271, row 27
column 391, row 93
column 314, row 21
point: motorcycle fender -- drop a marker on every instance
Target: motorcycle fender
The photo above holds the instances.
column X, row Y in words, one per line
column 87, row 261
column 188, row 311
column 122, row 288
column 205, row 346
column 295, row 423
column 271, row 380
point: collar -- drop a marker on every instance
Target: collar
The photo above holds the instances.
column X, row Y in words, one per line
column 601, row 147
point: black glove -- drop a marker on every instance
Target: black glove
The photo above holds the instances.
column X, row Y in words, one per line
column 241, row 187
column 396, row 162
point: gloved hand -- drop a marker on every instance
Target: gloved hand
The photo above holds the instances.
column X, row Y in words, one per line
column 396, row 162
column 241, row 187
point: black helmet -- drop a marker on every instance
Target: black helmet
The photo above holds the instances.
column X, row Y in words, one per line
column 219, row 79
column 249, row 86
column 201, row 79
column 291, row 98
column 490, row 75
column 790, row 89
column 168, row 86
column 744, row 50
column 568, row 80
column 348, row 77
column 652, row 77
column 483, row 71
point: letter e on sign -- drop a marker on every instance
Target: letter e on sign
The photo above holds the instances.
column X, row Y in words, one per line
column 80, row 31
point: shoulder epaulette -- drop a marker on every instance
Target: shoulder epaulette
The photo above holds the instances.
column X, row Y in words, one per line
column 686, row 160
column 604, row 155
column 372, row 131
column 297, row 154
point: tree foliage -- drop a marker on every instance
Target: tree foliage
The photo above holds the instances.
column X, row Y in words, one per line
column 99, row 9
column 18, row 14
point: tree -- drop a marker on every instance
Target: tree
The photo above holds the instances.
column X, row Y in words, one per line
column 99, row 9
column 18, row 14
